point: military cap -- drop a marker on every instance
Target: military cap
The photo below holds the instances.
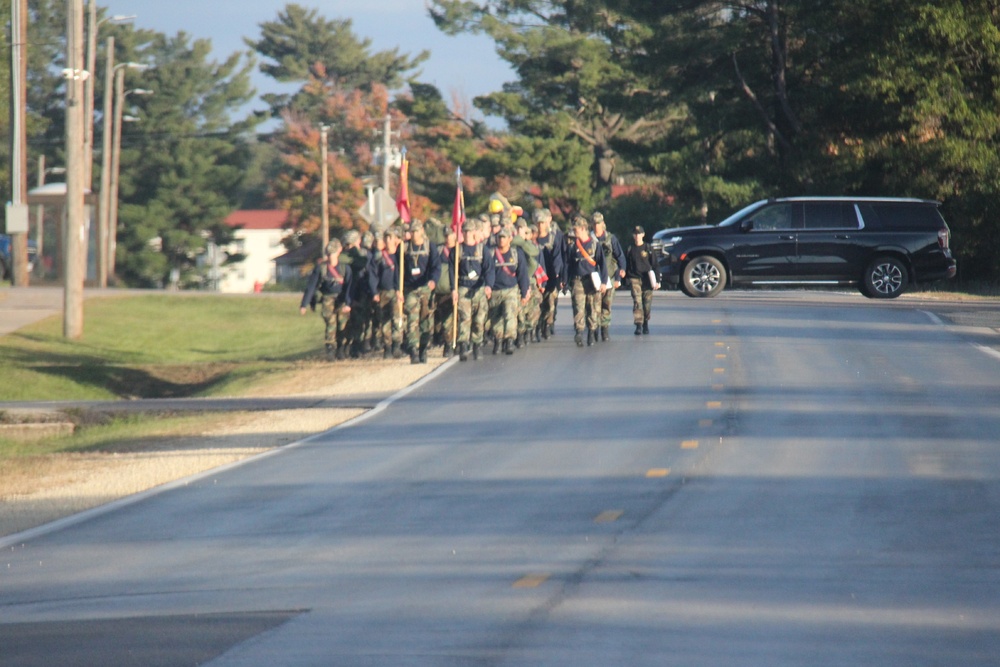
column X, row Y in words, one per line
column 505, row 232
column 333, row 247
column 638, row 230
column 541, row 215
column 597, row 218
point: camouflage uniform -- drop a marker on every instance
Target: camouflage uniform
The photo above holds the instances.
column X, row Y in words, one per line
column 582, row 259
column 421, row 267
column 476, row 274
column 551, row 259
column 331, row 286
column 510, row 287
column 383, row 281
column 639, row 264
column 615, row 258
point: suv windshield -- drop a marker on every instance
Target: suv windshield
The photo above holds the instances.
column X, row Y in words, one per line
column 740, row 214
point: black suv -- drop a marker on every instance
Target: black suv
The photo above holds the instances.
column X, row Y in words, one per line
column 880, row 244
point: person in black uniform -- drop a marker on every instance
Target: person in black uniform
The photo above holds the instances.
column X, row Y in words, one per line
column 642, row 280
column 510, row 290
column 331, row 284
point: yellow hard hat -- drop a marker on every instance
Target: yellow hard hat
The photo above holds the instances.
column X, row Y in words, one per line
column 496, row 206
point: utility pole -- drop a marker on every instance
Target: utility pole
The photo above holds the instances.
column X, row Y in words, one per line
column 324, row 187
column 17, row 212
column 386, row 151
column 104, row 259
column 76, row 267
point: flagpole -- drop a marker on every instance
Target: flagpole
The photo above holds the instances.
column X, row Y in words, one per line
column 457, row 219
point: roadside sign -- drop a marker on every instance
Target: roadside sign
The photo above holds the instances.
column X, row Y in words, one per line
column 380, row 209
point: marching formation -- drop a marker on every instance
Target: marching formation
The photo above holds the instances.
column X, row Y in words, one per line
column 490, row 284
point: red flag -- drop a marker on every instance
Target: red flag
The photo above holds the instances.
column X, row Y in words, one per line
column 458, row 212
column 403, row 198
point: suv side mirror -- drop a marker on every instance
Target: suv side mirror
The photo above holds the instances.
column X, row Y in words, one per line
column 746, row 226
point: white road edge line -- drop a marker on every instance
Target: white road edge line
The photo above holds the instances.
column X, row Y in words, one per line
column 988, row 351
column 18, row 539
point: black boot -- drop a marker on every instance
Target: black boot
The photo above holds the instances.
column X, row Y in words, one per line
column 545, row 331
column 331, row 352
column 414, row 356
column 517, row 341
column 387, row 353
column 475, row 351
column 538, row 333
column 342, row 352
column 638, row 330
column 645, row 328
column 425, row 340
column 397, row 352
column 579, row 338
column 508, row 346
column 496, row 345
column 605, row 334
column 591, row 336
column 462, row 356
column 448, row 350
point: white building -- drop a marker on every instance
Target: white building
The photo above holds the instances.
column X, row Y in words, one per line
column 258, row 237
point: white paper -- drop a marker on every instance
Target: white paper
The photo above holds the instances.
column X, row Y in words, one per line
column 596, row 277
column 652, row 279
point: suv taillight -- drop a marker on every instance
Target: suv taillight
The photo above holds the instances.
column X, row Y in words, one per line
column 943, row 238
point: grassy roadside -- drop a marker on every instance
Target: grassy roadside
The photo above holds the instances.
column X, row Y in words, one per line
column 151, row 346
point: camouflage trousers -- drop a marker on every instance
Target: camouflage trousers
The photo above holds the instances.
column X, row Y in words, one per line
column 418, row 306
column 531, row 312
column 642, row 301
column 606, row 300
column 390, row 321
column 550, row 300
column 444, row 317
column 586, row 305
column 473, row 309
column 336, row 321
column 361, row 317
column 504, row 305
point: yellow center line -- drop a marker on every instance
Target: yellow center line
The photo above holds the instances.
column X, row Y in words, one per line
column 718, row 371
column 713, row 404
column 608, row 516
column 720, row 356
column 531, row 581
column 658, row 472
column 689, row 444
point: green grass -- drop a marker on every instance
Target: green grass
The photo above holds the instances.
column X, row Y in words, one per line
column 154, row 346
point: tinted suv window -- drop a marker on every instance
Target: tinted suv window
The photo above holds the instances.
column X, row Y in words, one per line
column 829, row 215
column 772, row 218
column 894, row 216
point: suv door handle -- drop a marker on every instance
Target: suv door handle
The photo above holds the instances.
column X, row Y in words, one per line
column 842, row 236
column 784, row 237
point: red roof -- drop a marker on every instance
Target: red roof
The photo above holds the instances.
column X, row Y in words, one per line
column 258, row 219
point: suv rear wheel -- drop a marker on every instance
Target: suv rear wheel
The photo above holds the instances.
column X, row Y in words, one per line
column 703, row 276
column 885, row 278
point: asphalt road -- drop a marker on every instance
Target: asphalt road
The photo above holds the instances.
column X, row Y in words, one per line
column 787, row 479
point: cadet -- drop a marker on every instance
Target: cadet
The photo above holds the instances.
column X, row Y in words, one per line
column 642, row 280
column 615, row 259
column 550, row 241
column 444, row 303
column 330, row 284
column 361, row 297
column 587, row 276
column 383, row 281
column 527, row 314
column 421, row 272
column 476, row 274
column 510, row 291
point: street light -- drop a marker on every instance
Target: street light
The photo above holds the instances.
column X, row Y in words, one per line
column 116, row 154
column 112, row 114
column 88, row 110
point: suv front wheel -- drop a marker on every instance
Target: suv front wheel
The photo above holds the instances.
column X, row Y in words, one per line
column 703, row 276
column 885, row 278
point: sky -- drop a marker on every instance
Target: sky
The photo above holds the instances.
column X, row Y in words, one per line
column 465, row 65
